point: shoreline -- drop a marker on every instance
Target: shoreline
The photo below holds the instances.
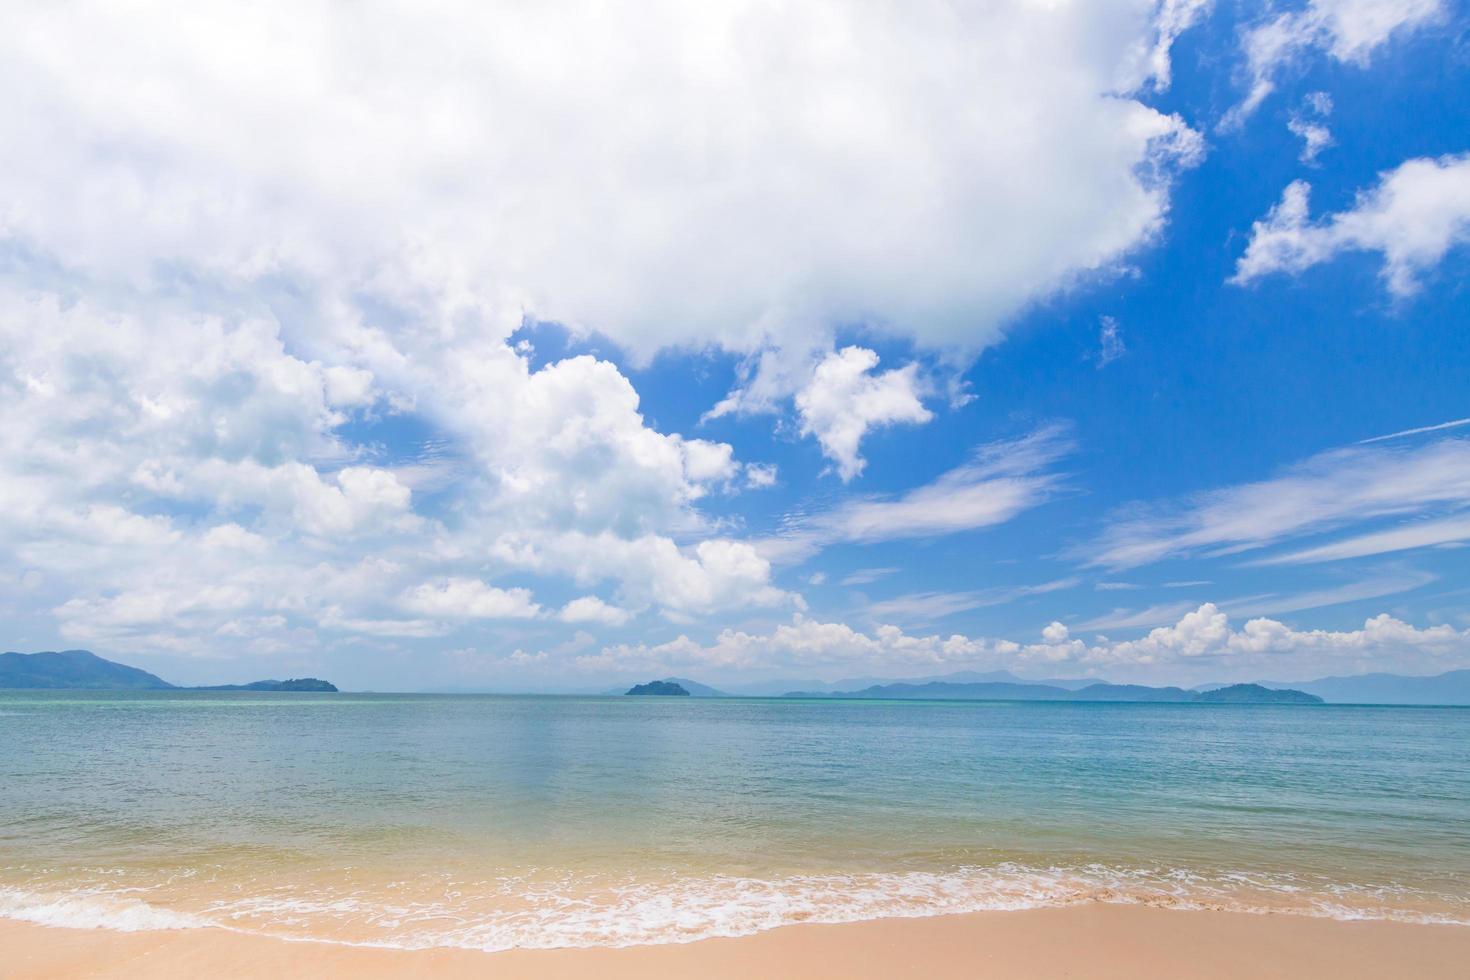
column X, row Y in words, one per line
column 1094, row 940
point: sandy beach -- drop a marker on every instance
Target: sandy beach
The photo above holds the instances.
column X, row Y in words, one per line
column 1095, row 941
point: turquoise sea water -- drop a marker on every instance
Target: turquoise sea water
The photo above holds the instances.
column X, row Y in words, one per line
column 496, row 822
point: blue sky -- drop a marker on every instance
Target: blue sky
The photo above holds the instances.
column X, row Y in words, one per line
column 751, row 342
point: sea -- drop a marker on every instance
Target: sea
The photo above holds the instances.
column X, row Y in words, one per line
column 500, row 822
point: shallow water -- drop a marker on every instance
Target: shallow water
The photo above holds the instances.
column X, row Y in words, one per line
column 496, row 822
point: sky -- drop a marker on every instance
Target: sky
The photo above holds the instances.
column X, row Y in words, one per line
column 554, row 346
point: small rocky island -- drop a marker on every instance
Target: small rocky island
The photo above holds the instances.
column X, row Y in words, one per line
column 665, row 688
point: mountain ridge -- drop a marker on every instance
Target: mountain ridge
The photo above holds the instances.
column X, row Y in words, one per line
column 83, row 670
column 1004, row 691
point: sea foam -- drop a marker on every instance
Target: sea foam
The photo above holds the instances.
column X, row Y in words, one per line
column 91, row 909
column 522, row 914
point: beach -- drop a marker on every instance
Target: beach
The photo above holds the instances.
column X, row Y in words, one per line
column 1096, row 941
column 236, row 834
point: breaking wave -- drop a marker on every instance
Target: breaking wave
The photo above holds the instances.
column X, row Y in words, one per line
column 518, row 913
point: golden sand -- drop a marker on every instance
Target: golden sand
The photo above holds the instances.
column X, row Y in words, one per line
column 1092, row 941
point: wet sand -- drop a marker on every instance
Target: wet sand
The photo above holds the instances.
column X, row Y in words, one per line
column 1092, row 941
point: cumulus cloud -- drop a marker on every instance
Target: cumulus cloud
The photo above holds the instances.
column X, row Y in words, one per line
column 1201, row 640
column 1307, row 125
column 1327, row 491
column 1268, row 603
column 470, row 598
column 844, row 399
column 759, row 476
column 227, row 245
column 1205, row 636
column 1315, row 136
column 1413, row 217
column 144, row 452
column 590, row 609
column 785, row 166
column 1348, row 30
column 713, row 575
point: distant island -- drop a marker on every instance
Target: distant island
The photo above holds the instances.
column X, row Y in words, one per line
column 1449, row 688
column 82, row 670
column 293, row 684
column 664, row 688
column 1006, row 691
column 1256, row 694
column 693, row 688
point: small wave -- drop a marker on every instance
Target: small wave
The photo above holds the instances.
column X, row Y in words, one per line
column 92, row 910
column 520, row 913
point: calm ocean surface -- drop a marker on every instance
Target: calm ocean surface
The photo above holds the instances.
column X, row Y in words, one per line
column 497, row 822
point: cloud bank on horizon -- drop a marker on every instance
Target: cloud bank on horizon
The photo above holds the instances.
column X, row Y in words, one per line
column 529, row 346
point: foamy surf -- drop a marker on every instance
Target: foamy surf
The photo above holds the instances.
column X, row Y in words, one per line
column 91, row 909
column 522, row 914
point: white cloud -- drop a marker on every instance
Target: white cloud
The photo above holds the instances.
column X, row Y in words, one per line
column 1174, row 18
column 1453, row 424
column 1307, row 125
column 1371, row 588
column 926, row 607
column 136, row 442
column 866, row 576
column 1419, row 534
column 1348, row 30
column 225, row 242
column 1001, row 480
column 233, row 536
column 1314, row 135
column 1201, row 639
column 906, row 165
column 590, row 609
column 1055, row 633
column 759, row 476
column 714, row 575
column 1326, row 491
column 1125, row 619
column 1416, row 214
column 1110, row 344
column 843, row 400
column 411, row 628
column 1205, row 636
column 470, row 598
column 1375, row 587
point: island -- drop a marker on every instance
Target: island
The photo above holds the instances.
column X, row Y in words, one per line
column 1256, row 694
column 83, row 670
column 1006, row 691
column 663, row 688
column 310, row 684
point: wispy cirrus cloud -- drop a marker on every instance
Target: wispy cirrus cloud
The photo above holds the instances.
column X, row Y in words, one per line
column 1421, row 534
column 1452, row 424
column 1001, row 480
column 926, row 607
column 1269, row 603
column 1327, row 491
column 1348, row 30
